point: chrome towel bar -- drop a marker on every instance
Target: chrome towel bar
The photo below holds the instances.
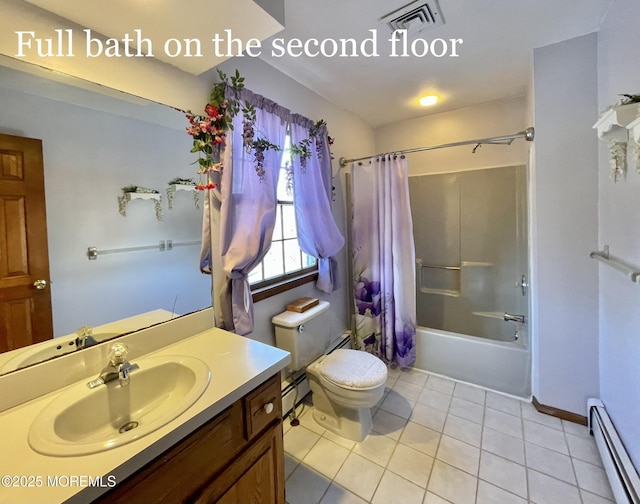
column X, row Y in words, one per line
column 93, row 252
column 604, row 257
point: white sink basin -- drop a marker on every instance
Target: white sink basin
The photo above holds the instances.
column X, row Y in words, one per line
column 81, row 421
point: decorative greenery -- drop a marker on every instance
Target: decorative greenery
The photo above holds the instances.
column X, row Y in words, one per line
column 182, row 181
column 209, row 131
column 629, row 98
column 138, row 189
column 302, row 150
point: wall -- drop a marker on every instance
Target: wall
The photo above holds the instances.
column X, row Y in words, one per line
column 563, row 225
column 495, row 118
column 353, row 138
column 89, row 155
column 619, row 221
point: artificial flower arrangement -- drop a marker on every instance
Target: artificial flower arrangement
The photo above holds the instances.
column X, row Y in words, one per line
column 209, row 131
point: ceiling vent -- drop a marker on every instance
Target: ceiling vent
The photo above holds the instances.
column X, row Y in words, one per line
column 415, row 17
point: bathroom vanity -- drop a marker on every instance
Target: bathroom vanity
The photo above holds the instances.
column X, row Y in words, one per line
column 226, row 447
column 237, row 457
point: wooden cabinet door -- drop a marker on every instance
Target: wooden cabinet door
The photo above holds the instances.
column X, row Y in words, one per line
column 256, row 477
column 25, row 297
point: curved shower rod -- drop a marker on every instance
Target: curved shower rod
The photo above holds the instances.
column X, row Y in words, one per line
column 527, row 134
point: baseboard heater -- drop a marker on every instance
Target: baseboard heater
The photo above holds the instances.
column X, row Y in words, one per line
column 623, row 477
column 299, row 382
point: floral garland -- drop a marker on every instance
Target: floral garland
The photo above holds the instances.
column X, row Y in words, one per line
column 303, row 150
column 209, row 132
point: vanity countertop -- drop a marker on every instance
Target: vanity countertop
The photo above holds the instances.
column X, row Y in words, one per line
column 237, row 365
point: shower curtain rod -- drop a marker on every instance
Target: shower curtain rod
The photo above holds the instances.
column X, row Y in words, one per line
column 527, row 134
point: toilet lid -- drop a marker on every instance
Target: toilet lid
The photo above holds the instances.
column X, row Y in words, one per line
column 353, row 368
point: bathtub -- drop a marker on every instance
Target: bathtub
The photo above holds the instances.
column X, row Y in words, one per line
column 504, row 366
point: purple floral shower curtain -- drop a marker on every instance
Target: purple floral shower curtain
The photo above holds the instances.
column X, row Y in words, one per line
column 318, row 234
column 384, row 260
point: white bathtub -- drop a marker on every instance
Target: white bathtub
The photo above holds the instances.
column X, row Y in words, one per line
column 498, row 365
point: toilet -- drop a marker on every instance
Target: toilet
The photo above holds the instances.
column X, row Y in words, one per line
column 345, row 383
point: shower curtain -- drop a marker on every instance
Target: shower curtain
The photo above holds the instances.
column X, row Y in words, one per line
column 383, row 260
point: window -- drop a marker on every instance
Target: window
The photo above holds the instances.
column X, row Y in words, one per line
column 284, row 261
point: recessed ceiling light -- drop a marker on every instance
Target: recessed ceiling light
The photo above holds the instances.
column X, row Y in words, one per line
column 427, row 101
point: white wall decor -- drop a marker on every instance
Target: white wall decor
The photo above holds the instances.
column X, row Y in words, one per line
column 612, row 128
column 142, row 194
column 171, row 190
column 634, row 138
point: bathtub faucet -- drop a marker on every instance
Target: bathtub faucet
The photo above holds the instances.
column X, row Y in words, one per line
column 514, row 318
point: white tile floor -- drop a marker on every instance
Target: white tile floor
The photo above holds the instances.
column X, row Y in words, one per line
column 437, row 441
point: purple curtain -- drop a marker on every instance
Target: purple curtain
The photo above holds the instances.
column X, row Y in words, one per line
column 246, row 210
column 318, row 234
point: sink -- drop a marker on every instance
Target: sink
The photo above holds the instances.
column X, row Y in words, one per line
column 82, row 421
column 47, row 350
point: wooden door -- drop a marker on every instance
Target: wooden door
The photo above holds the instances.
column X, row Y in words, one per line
column 25, row 297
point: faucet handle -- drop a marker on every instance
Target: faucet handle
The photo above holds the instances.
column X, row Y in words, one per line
column 84, row 331
column 118, row 354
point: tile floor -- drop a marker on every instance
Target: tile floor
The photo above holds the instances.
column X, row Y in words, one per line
column 438, row 441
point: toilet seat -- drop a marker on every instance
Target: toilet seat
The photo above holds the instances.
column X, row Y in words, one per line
column 353, row 370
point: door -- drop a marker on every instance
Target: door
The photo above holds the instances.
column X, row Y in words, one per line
column 25, row 297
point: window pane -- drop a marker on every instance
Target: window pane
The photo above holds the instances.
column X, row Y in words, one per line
column 273, row 263
column 292, row 261
column 277, row 230
column 307, row 260
column 288, row 222
column 256, row 274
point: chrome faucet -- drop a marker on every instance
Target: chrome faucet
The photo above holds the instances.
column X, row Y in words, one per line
column 118, row 368
column 85, row 337
column 514, row 318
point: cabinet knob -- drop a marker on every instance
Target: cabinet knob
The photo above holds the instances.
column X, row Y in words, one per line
column 268, row 408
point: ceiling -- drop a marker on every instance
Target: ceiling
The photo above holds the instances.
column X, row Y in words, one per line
column 161, row 20
column 493, row 61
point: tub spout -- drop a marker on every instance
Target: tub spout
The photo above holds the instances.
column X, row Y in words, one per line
column 514, row 318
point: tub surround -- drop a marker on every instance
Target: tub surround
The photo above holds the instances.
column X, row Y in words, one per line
column 498, row 365
column 238, row 365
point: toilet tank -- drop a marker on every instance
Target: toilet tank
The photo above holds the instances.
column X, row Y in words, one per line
column 305, row 335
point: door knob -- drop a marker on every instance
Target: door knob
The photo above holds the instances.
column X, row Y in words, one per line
column 40, row 284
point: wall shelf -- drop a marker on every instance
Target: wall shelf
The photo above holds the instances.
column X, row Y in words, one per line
column 173, row 188
column 127, row 197
column 612, row 124
column 634, row 138
column 612, row 128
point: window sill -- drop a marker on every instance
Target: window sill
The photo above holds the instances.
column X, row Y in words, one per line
column 285, row 285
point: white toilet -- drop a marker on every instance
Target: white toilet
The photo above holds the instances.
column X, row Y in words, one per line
column 345, row 383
